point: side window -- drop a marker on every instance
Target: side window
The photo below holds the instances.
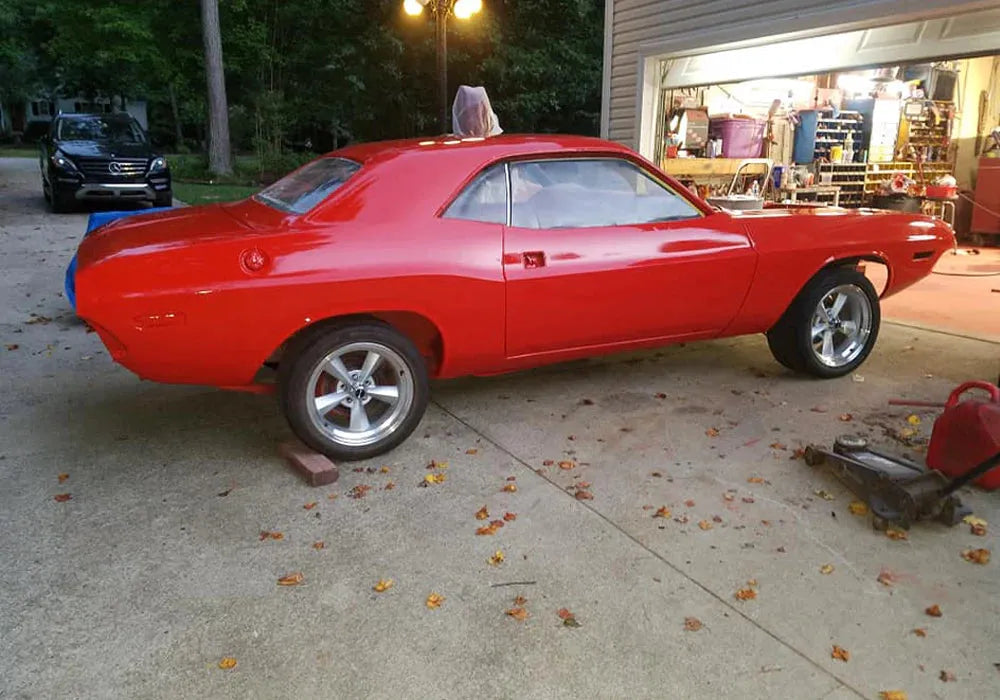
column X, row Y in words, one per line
column 585, row 193
column 484, row 199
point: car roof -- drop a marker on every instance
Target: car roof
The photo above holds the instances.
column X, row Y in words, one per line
column 503, row 146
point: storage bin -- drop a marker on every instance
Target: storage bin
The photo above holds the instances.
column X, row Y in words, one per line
column 741, row 138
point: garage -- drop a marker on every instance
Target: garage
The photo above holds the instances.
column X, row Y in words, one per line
column 877, row 104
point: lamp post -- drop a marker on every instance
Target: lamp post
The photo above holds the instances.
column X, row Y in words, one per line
column 442, row 9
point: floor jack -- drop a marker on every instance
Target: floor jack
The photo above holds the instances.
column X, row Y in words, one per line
column 900, row 492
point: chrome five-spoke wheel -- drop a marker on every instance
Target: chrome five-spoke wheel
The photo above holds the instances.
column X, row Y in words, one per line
column 841, row 325
column 354, row 391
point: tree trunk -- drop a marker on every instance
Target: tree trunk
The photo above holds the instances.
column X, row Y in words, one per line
column 177, row 115
column 219, row 160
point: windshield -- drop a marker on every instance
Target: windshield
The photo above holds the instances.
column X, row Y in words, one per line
column 303, row 189
column 100, row 129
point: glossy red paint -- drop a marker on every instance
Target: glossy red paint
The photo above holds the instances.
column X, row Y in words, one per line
column 206, row 295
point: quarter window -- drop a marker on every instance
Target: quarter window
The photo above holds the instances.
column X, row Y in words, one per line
column 586, row 193
column 484, row 199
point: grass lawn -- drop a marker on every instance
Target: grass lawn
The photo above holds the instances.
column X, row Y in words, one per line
column 18, row 152
column 194, row 193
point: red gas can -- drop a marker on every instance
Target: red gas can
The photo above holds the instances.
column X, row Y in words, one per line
column 967, row 434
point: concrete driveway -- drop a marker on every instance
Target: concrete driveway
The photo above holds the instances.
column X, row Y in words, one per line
column 155, row 570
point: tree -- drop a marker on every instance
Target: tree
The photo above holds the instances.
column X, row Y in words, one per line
column 219, row 158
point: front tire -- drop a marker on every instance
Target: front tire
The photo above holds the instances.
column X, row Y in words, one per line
column 163, row 199
column 354, row 392
column 831, row 327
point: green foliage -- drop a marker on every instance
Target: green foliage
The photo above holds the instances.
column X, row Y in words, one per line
column 317, row 73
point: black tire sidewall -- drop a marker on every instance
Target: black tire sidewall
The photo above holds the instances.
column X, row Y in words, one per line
column 294, row 381
column 810, row 298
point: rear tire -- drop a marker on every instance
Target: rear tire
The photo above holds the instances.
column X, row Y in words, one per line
column 354, row 392
column 831, row 327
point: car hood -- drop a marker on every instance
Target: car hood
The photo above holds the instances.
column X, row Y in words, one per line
column 183, row 227
column 104, row 149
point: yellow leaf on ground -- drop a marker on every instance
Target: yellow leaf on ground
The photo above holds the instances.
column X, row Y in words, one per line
column 705, row 525
column 510, row 488
column 934, row 610
column 858, row 508
column 977, row 526
column 384, row 470
column 435, row 478
column 566, row 464
column 826, row 569
column 746, row 594
column 662, row 512
column 63, row 477
column 482, row 513
column 227, row 662
column 755, row 480
column 892, row 695
column 291, row 579
column 434, row 601
column 496, row 559
column 840, row 653
column 319, row 544
column 487, row 530
column 692, row 624
column 712, row 432
column 520, row 601
column 977, row 556
column 472, row 451
column 913, row 419
column 920, row 631
column 894, row 533
column 383, row 585
column 519, row 614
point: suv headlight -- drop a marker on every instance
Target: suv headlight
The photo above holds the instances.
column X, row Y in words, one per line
column 159, row 163
column 61, row 161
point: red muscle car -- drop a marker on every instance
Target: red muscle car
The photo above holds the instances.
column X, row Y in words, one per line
column 372, row 268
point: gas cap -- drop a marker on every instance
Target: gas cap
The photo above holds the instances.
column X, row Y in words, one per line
column 253, row 259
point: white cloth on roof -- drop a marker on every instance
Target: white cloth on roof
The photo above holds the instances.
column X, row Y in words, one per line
column 472, row 114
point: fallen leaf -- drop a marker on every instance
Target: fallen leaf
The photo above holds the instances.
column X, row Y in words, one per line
column 705, row 525
column 712, row 432
column 752, row 583
column 826, row 569
column 840, row 653
column 858, row 507
column 472, row 451
column 920, row 631
column 434, row 601
column 907, row 433
column 689, row 503
column 437, row 465
column 886, row 578
column 332, row 496
column 977, row 526
column 660, row 395
column 977, row 556
column 383, row 585
column 894, row 533
column 510, row 488
column 390, row 486
column 692, row 624
column 319, row 544
column 568, row 618
column 548, row 463
column 511, row 478
column 947, row 676
column 12, row 346
column 223, row 494
column 582, row 495
column 934, row 610
column 435, row 478
column 509, row 517
column 755, row 480
column 858, row 378
column 818, row 409
column 520, row 601
column 586, row 402
column 496, row 559
column 384, row 470
column 310, row 505
column 913, row 419
column 227, row 662
column 583, row 484
column 519, row 614
column 800, row 453
column 487, row 530
column 482, row 513
column 63, row 497
column 565, row 464
column 892, row 695
column 269, row 535
column 682, row 519
column 729, row 496
column 778, row 446
column 359, row 491
column 824, row 494
column 747, row 499
column 662, row 512
column 62, row 477
column 746, row 594
column 846, row 417
column 497, row 523
column 291, row 579
column 658, row 475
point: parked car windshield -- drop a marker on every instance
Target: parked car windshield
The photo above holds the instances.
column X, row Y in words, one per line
column 300, row 191
column 100, row 129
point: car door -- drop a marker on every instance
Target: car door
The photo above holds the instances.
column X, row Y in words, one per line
column 599, row 251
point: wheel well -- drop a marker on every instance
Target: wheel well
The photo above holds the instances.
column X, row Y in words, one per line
column 420, row 330
column 880, row 276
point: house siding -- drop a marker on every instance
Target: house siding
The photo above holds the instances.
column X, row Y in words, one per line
column 638, row 29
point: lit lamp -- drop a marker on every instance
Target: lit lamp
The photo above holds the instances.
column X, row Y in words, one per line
column 462, row 9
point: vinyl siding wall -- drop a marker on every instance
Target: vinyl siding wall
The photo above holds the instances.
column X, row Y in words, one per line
column 637, row 30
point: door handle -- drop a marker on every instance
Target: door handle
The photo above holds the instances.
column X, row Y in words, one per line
column 534, row 258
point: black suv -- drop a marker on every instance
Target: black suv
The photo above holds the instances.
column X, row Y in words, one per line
column 101, row 157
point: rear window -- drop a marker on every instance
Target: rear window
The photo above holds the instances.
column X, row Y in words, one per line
column 300, row 191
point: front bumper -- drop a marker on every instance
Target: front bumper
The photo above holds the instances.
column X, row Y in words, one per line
column 116, row 190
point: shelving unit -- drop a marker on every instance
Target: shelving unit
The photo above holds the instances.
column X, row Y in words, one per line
column 877, row 173
column 850, row 177
column 833, row 131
